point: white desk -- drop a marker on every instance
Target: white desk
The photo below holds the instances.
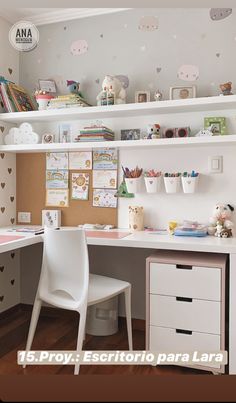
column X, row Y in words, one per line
column 154, row 241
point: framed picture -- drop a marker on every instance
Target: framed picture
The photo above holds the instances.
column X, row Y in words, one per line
column 183, row 92
column 218, row 125
column 48, row 138
column 65, row 133
column 47, row 86
column 142, row 96
column 130, row 134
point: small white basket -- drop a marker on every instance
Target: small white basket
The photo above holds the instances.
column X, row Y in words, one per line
column 153, row 184
column 189, row 184
column 172, row 184
column 133, row 184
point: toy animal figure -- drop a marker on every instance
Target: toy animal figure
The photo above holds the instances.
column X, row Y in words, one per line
column 226, row 233
column 111, row 86
column 226, row 88
column 158, row 96
column 210, row 131
column 153, row 131
column 73, row 87
column 220, row 222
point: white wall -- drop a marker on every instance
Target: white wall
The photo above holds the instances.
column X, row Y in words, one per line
column 9, row 68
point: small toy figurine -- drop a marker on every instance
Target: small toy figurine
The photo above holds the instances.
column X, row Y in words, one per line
column 73, row 87
column 153, row 131
column 220, row 224
column 157, row 96
column 226, row 88
column 210, row 131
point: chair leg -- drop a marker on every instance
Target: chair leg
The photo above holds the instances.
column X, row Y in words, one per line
column 33, row 323
column 128, row 316
column 80, row 339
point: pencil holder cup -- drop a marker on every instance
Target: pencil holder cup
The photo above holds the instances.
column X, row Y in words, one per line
column 172, row 184
column 136, row 218
column 133, row 184
column 153, row 184
column 189, row 184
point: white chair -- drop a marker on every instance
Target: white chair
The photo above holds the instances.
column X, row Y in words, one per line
column 65, row 282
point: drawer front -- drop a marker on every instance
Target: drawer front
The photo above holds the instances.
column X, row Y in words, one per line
column 167, row 340
column 198, row 315
column 193, row 282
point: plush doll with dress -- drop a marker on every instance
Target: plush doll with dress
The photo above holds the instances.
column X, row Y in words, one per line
column 220, row 223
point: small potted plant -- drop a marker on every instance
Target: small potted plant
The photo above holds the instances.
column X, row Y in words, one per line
column 172, row 182
column 152, row 180
column 190, row 181
column 133, row 178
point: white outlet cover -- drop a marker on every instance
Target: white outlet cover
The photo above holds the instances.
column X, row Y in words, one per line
column 215, row 164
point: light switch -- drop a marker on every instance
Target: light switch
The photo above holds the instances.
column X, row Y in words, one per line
column 215, row 164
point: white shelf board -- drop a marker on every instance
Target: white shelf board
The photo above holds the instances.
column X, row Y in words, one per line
column 128, row 144
column 124, row 110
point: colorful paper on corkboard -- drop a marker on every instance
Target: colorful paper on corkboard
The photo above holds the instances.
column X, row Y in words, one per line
column 57, row 197
column 80, row 186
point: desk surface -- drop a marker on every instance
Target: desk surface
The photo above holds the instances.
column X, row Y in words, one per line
column 140, row 239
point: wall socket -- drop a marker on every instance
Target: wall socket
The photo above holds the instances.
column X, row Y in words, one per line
column 24, row 217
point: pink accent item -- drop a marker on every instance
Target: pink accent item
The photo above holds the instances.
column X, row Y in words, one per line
column 9, row 238
column 106, row 234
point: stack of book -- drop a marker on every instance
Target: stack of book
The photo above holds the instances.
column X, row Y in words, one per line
column 96, row 133
column 67, row 101
column 15, row 98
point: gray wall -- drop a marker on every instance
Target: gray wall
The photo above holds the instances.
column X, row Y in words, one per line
column 150, row 59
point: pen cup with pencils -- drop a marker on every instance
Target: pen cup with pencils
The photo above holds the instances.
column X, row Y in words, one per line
column 172, row 182
column 152, row 180
column 190, row 181
column 133, row 179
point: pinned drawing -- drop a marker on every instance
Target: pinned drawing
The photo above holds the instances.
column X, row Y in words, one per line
column 148, row 23
column 79, row 47
column 218, row 14
column 188, row 72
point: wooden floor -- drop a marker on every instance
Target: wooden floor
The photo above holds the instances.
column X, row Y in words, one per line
column 58, row 332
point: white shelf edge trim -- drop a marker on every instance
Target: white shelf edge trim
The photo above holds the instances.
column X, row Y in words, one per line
column 131, row 109
column 131, row 144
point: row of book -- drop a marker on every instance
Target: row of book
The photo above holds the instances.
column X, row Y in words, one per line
column 96, row 133
column 67, row 101
column 15, row 98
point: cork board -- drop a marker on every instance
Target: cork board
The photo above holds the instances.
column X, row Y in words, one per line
column 31, row 193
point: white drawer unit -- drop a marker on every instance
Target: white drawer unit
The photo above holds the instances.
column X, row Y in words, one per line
column 167, row 339
column 188, row 281
column 185, row 301
column 184, row 313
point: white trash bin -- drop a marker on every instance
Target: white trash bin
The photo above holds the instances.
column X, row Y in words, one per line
column 102, row 318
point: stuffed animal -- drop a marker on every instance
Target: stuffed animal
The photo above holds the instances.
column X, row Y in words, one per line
column 73, row 87
column 153, row 131
column 226, row 88
column 111, row 86
column 220, row 222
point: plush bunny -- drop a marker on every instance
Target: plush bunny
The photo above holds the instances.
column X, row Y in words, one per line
column 221, row 220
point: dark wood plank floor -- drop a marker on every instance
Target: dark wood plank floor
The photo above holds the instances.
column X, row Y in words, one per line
column 58, row 331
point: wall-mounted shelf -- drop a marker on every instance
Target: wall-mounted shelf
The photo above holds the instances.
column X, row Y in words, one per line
column 124, row 110
column 130, row 144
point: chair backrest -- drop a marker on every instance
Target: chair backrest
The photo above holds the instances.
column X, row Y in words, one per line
column 65, row 264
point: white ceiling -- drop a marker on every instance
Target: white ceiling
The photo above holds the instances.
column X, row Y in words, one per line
column 42, row 16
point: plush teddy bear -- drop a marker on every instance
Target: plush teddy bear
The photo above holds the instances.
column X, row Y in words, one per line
column 220, row 222
column 112, row 85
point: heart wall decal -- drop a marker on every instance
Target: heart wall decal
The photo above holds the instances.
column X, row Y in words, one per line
column 1, row 298
column 12, row 198
column 3, row 185
column 9, row 170
column 2, row 209
column 13, row 281
column 2, row 269
column 2, row 155
column 2, row 128
column 10, row 71
column 12, row 220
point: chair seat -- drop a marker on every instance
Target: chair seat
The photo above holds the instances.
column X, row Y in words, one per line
column 102, row 288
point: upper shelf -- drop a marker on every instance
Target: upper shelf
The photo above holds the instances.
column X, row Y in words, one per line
column 124, row 110
column 127, row 144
